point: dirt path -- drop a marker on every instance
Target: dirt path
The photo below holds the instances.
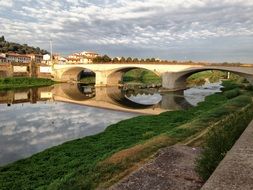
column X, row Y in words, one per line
column 172, row 168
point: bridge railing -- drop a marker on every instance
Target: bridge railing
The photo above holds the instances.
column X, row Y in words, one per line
column 172, row 63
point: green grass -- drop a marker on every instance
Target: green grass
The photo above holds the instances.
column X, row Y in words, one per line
column 102, row 159
column 21, row 82
column 221, row 139
column 141, row 75
column 212, row 75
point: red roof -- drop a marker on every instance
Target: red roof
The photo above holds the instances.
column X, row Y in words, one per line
column 17, row 55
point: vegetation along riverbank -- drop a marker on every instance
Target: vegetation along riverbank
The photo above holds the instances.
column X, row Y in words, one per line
column 100, row 160
column 22, row 82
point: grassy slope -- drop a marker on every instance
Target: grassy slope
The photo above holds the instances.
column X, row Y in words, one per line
column 211, row 75
column 220, row 139
column 21, row 82
column 141, row 75
column 104, row 158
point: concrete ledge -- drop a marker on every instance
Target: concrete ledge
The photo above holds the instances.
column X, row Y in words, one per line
column 236, row 170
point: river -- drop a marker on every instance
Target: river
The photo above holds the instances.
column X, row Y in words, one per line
column 34, row 119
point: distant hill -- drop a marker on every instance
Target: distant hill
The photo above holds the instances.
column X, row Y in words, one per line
column 6, row 46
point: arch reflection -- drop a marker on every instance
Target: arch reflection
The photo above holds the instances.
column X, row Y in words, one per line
column 144, row 101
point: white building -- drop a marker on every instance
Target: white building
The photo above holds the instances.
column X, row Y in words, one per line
column 82, row 58
column 46, row 57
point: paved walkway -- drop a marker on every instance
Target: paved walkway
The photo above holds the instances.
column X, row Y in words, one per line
column 236, row 170
column 172, row 169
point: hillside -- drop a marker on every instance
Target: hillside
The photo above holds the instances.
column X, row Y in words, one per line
column 6, row 46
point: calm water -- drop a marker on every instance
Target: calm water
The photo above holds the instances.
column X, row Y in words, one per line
column 32, row 120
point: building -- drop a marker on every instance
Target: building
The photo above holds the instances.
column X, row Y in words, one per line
column 62, row 60
column 20, row 58
column 2, row 59
column 16, row 58
column 82, row 58
column 46, row 57
column 37, row 58
column 73, row 60
column 90, row 55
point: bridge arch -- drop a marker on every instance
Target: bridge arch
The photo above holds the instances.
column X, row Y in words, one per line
column 115, row 77
column 177, row 81
column 75, row 73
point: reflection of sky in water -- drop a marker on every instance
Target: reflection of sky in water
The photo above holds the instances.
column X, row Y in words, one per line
column 146, row 99
column 197, row 94
column 29, row 128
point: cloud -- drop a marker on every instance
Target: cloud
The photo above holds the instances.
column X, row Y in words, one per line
column 149, row 26
column 40, row 126
column 5, row 4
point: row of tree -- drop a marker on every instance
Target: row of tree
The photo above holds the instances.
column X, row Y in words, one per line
column 6, row 46
column 106, row 58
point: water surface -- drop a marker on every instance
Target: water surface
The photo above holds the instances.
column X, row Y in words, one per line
column 34, row 119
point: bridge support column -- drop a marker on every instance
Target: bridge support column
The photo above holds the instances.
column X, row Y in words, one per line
column 115, row 79
column 173, row 81
column 108, row 79
column 101, row 78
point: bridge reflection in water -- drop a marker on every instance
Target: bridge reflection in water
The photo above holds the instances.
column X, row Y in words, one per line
column 143, row 101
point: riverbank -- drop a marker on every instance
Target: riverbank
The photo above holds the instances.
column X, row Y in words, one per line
column 101, row 160
column 23, row 82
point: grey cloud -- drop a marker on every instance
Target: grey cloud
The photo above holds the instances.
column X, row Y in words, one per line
column 127, row 25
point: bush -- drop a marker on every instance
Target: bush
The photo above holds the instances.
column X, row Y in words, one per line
column 232, row 93
column 248, row 87
column 228, row 85
column 221, row 139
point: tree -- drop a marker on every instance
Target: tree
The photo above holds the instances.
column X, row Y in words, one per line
column 2, row 39
column 135, row 60
column 115, row 59
column 106, row 58
column 18, row 48
column 122, row 59
column 142, row 60
column 147, row 60
column 97, row 59
column 152, row 59
column 129, row 59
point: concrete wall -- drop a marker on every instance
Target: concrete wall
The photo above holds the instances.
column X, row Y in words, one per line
column 25, row 70
column 5, row 70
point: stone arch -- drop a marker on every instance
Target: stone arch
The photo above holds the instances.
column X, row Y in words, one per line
column 74, row 74
column 114, row 78
column 177, row 81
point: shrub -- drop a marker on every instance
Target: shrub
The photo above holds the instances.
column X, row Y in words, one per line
column 221, row 139
column 232, row 93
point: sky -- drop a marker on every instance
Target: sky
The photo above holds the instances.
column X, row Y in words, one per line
column 198, row 30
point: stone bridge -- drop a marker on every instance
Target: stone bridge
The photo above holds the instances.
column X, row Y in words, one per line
column 173, row 75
